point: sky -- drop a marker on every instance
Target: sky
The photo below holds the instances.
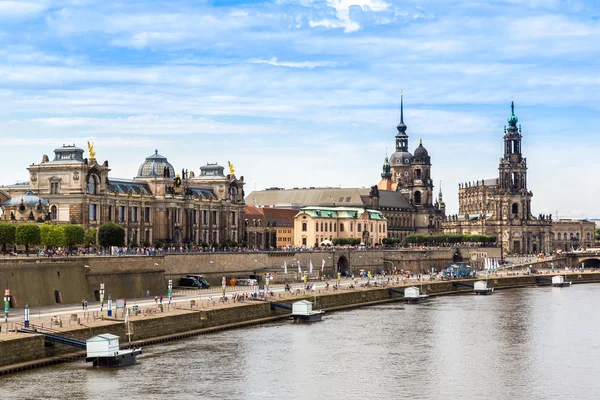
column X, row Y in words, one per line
column 299, row 93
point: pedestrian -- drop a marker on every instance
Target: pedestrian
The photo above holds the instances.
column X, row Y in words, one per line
column 156, row 299
column 147, row 293
column 160, row 299
column 83, row 304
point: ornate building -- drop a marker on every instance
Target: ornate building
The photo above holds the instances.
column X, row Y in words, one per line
column 502, row 207
column 411, row 175
column 157, row 205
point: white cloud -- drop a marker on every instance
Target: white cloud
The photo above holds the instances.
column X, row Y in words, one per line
column 342, row 11
column 294, row 64
column 20, row 9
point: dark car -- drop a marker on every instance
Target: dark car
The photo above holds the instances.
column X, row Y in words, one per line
column 203, row 282
column 190, row 282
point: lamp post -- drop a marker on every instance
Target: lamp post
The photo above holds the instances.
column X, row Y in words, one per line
column 109, row 305
column 393, row 267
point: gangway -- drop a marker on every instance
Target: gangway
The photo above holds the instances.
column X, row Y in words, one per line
column 396, row 291
column 543, row 278
column 461, row 284
column 55, row 338
column 280, row 305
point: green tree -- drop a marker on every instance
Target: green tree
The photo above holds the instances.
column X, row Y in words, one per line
column 90, row 237
column 597, row 234
column 52, row 235
column 74, row 234
column 28, row 234
column 111, row 234
column 7, row 234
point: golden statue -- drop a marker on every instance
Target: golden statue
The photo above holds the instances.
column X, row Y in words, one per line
column 91, row 150
column 231, row 168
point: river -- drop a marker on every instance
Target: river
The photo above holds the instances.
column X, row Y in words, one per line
column 535, row 343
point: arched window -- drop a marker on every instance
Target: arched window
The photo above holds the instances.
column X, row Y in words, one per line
column 317, row 227
column 587, row 236
column 515, row 208
column 91, row 186
column 304, row 230
column 330, row 230
column 54, row 213
column 358, row 227
column 341, row 227
column 417, row 197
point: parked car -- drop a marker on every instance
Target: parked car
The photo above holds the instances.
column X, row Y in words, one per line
column 190, row 282
column 247, row 282
column 203, row 282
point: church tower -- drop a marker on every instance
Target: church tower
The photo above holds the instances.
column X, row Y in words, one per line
column 512, row 177
column 401, row 159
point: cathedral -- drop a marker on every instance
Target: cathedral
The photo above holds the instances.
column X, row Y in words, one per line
column 410, row 175
column 502, row 207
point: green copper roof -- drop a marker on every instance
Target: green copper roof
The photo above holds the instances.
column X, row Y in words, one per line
column 339, row 212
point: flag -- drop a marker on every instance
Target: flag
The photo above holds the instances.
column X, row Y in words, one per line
column 127, row 316
column 311, row 267
column 285, row 267
column 323, row 266
column 299, row 269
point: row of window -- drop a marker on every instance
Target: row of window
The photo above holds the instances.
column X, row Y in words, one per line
column 132, row 214
column 331, row 227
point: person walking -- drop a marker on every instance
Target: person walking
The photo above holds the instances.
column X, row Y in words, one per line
column 156, row 299
column 161, row 299
column 83, row 304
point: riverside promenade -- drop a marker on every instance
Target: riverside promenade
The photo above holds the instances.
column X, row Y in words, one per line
column 192, row 317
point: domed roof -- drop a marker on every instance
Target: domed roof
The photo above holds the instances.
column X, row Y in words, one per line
column 399, row 158
column 154, row 166
column 421, row 151
column 28, row 199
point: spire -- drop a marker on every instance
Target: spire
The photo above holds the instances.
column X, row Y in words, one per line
column 401, row 126
column 512, row 120
column 440, row 195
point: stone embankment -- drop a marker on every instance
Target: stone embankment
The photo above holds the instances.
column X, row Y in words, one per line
column 20, row 351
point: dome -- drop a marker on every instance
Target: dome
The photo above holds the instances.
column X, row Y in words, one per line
column 154, row 166
column 400, row 158
column 28, row 199
column 512, row 120
column 421, row 151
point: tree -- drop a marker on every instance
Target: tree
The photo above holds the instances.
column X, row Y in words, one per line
column 52, row 235
column 90, row 237
column 28, row 234
column 597, row 234
column 74, row 234
column 7, row 234
column 111, row 234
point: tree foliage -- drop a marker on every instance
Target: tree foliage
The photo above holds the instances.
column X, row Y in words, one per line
column 8, row 233
column 90, row 237
column 448, row 239
column 111, row 234
column 52, row 235
column 74, row 235
column 346, row 241
column 28, row 234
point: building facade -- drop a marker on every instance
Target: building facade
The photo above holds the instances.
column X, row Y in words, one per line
column 315, row 225
column 502, row 207
column 157, row 205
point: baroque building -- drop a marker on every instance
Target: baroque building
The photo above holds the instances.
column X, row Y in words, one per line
column 410, row 174
column 502, row 207
column 157, row 205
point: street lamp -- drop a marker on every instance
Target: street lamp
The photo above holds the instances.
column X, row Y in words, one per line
column 393, row 267
column 27, row 314
column 6, row 299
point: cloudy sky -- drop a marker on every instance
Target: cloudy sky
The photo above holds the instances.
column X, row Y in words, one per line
column 306, row 92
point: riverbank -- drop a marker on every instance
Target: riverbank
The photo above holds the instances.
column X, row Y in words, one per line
column 20, row 351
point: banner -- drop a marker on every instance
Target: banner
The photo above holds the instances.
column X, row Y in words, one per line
column 285, row 267
column 299, row 269
column 323, row 266
column 311, row 267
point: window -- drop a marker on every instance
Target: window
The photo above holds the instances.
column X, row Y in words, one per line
column 121, row 213
column 371, row 227
column 341, row 227
column 110, row 212
column 93, row 209
column 317, row 227
column 214, row 217
column 54, row 213
column 351, row 226
column 147, row 215
column 53, row 187
column 325, row 226
column 515, row 208
column 91, row 187
column 417, row 197
column 418, row 173
column 335, row 227
column 358, row 227
column 204, row 217
column 148, row 236
column 304, row 226
column 134, row 214
column 233, row 218
column 195, row 216
column 330, row 230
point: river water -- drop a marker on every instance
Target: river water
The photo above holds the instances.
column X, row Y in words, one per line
column 536, row 343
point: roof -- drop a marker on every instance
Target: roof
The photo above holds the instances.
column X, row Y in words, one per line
column 28, row 199
column 393, row 199
column 203, row 193
column 252, row 213
column 102, row 337
column 124, row 185
column 340, row 212
column 279, row 216
column 297, row 198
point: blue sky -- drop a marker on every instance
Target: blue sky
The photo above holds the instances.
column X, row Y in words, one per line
column 306, row 92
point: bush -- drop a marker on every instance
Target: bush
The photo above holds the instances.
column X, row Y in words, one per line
column 448, row 239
